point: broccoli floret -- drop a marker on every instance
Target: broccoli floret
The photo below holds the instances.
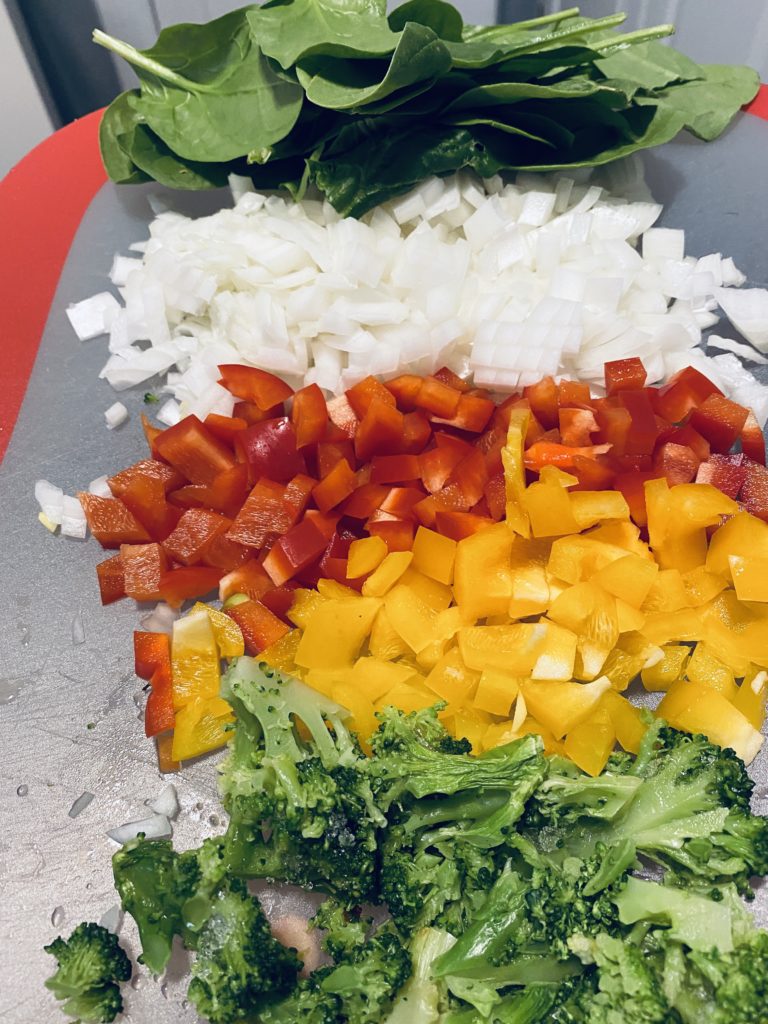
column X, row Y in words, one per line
column 296, row 775
column 91, row 965
column 307, row 1004
column 344, row 932
column 238, row 961
column 423, row 997
column 368, row 977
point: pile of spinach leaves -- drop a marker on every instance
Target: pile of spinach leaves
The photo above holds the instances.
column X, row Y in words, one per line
column 363, row 106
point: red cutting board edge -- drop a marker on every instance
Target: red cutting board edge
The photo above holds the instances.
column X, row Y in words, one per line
column 40, row 213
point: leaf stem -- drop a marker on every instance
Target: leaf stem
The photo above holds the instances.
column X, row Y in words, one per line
column 488, row 32
column 140, row 60
column 641, row 35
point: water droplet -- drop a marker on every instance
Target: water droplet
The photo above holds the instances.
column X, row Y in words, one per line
column 137, row 981
column 57, row 917
column 24, row 635
column 164, row 990
column 184, row 1004
column 89, row 885
column 22, row 790
column 199, row 805
column 11, row 688
column 214, row 819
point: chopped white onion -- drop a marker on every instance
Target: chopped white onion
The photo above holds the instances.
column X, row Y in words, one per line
column 73, row 521
column 169, row 413
column 115, row 415
column 157, row 826
column 747, row 309
column 50, row 498
column 92, row 317
column 80, row 804
column 166, row 803
column 100, row 487
column 729, row 345
column 78, row 630
column 160, row 619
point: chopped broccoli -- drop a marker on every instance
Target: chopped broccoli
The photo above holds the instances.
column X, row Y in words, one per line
column 343, row 932
column 91, row 965
column 423, row 997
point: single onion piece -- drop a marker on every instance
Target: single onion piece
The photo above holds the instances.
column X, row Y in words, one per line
column 169, row 413
column 78, row 631
column 160, row 619
column 100, row 487
column 115, row 415
column 73, row 521
column 80, row 804
column 93, row 316
column 155, row 827
column 167, row 803
column 50, row 498
column 729, row 345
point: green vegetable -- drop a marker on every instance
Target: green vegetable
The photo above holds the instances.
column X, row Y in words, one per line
column 335, row 94
column 91, row 965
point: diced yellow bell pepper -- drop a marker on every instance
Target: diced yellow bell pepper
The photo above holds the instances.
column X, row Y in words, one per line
column 667, row 593
column 561, row 706
column 530, row 592
column 702, row 586
column 434, row 555
column 388, row 573
column 750, row 577
column 406, row 696
column 697, row 709
column 497, row 734
column 451, row 680
column 482, row 579
column 744, row 624
column 750, row 698
column 557, row 659
column 664, row 672
column 335, row 591
column 725, row 644
column 706, row 669
column 495, row 693
column 363, row 719
column 471, row 725
column 628, row 722
column 164, row 751
column 282, row 654
column 435, row 595
column 229, row 639
column 629, row 578
column 549, row 510
column 411, row 618
column 590, row 612
column 375, row 677
column 622, row 534
column 555, row 475
column 677, row 518
column 577, row 559
column 201, row 726
column 195, row 663
column 305, row 604
column 385, row 642
column 325, row 680
column 429, row 656
column 664, row 627
column 365, row 555
column 531, row 727
column 744, row 535
column 629, row 618
column 621, row 667
column 335, row 632
column 450, row 621
column 515, row 648
column 514, row 471
column 590, row 743
column 592, row 507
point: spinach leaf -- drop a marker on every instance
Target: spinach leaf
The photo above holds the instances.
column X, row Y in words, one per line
column 420, row 57
column 444, row 20
column 292, row 30
column 650, row 65
column 707, row 106
column 115, row 133
column 151, row 155
column 500, row 94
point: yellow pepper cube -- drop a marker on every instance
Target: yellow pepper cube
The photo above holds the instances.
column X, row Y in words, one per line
column 407, row 697
column 629, row 618
column 195, row 663
column 482, row 579
column 629, row 578
column 364, row 556
column 362, row 720
column 743, row 535
column 622, row 534
column 750, row 699
column 702, row 586
column 578, row 559
column 411, row 618
column 628, row 721
column 435, row 595
column 662, row 673
column 434, row 555
column 677, row 521
column 282, row 654
column 229, row 639
column 592, row 507
column 385, row 642
column 561, row 706
column 530, row 592
column 557, row 659
column 305, row 604
column 201, row 725
column 451, row 680
column 590, row 612
column 427, row 658
column 324, row 680
column 375, row 677
column 549, row 510
column 621, row 667
column 750, row 577
column 388, row 573
column 471, row 725
column 706, row 669
column 495, row 693
column 514, row 648
column 514, row 471
column 667, row 593
column 589, row 744
column 665, row 627
column 335, row 633
column 333, row 590
column 697, row 709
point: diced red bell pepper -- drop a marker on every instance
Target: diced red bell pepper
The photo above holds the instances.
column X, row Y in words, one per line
column 225, row 494
column 380, row 431
column 329, row 453
column 169, row 477
column 458, row 525
column 248, row 578
column 491, row 444
column 260, row 627
column 294, row 551
column 151, row 433
column 546, row 453
column 455, row 444
column 195, row 532
column 471, row 476
column 753, row 440
column 270, row 450
column 437, row 398
column 437, row 464
column 226, row 554
column 393, row 469
column 325, row 522
column 397, row 534
column 280, row 599
column 632, row 486
column 253, row 385
column 266, row 514
column 686, row 390
column 111, row 579
column 143, row 566
column 453, row 380
column 688, row 436
column 404, row 389
column 365, row 500
column 754, row 491
column 144, row 497
column 593, row 474
column 399, row 502
column 644, row 430
column 725, row 472
column 192, row 449
column 252, row 414
column 417, row 433
column 178, row 585
column 299, row 490
column 335, row 487
column 677, row 462
column 362, row 394
column 577, row 427
column 572, row 393
column 720, row 420
column 111, row 523
column 495, row 496
column 543, row 399
column 159, row 715
column 473, row 414
column 309, row 415
column 342, row 415
column 150, row 651
column 164, row 751
column 225, row 428
column 615, row 423
column 624, row 375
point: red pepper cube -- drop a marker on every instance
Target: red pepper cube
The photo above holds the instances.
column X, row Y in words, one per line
column 725, row 472
column 593, row 474
column 677, row 462
column 453, row 380
column 226, row 554
column 686, row 390
column 179, row 585
column 624, row 375
column 577, row 426
column 380, row 431
column 280, row 599
column 405, row 390
column 688, row 436
column 496, row 496
column 615, row 422
column 343, row 416
column 192, row 449
column 720, row 421
column 248, row 578
column 260, row 627
column 473, row 414
column 309, row 415
column 294, row 551
column 298, row 492
column 543, row 399
column 458, row 525
column 397, row 534
column 143, row 566
column 252, row 414
column 253, row 385
column 325, row 522
column 151, row 433
column 366, row 391
column 330, row 453
column 549, row 453
column 394, row 469
column 159, row 715
column 400, row 502
column 335, row 487
column 754, row 490
column 270, row 450
column 437, row 464
column 153, row 469
column 753, row 440
column 144, row 496
column 437, row 398
column 471, row 476
column 225, row 428
column 150, row 651
column 642, row 435
column 417, row 432
column 572, row 392
column 632, row 486
column 195, row 532
column 111, row 579
column 111, row 523
column 266, row 513
column 364, row 501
